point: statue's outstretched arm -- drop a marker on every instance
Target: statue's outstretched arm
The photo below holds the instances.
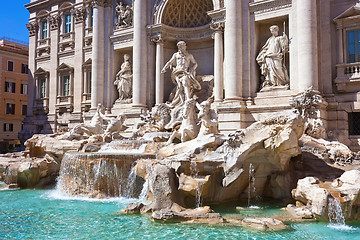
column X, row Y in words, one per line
column 168, row 64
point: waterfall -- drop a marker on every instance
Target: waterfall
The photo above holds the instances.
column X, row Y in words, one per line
column 100, row 175
column 335, row 212
column 195, row 175
column 131, row 182
column 251, row 188
column 144, row 192
column 336, row 216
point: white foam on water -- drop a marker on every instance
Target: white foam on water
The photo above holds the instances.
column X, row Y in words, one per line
column 254, row 207
column 341, row 227
column 110, row 149
column 57, row 195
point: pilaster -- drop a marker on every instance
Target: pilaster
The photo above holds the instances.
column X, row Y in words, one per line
column 139, row 49
column 79, row 16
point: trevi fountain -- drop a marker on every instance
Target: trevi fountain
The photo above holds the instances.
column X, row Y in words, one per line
column 173, row 175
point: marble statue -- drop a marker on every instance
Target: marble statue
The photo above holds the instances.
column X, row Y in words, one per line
column 183, row 66
column 271, row 59
column 123, row 81
column 114, row 127
column 125, row 15
column 189, row 128
column 96, row 126
column 208, row 117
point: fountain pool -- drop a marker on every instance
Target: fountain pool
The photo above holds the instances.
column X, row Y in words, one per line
column 46, row 214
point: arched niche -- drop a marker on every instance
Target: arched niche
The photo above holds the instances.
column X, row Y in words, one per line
column 187, row 20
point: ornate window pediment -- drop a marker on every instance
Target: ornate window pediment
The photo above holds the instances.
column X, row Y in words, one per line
column 187, row 13
column 64, row 67
column 348, row 67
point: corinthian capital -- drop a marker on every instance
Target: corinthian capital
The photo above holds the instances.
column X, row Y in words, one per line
column 101, row 3
column 79, row 14
column 157, row 39
column 32, row 27
column 53, row 21
column 217, row 26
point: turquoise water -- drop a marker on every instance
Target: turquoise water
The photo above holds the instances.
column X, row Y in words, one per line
column 42, row 214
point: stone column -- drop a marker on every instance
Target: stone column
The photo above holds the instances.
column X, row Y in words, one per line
column 139, row 53
column 218, row 61
column 77, row 78
column 307, row 44
column 233, row 48
column 98, row 66
column 159, row 78
column 33, row 28
column 51, row 83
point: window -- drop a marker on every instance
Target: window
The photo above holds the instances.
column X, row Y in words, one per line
column 10, row 66
column 353, row 43
column 67, row 23
column 354, row 123
column 9, row 87
column 66, row 85
column 44, row 29
column 24, row 110
column 23, row 89
column 42, row 92
column 10, row 108
column 24, row 68
column 8, row 127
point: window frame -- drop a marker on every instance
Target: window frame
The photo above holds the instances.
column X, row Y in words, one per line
column 42, row 88
column 24, row 88
column 24, row 68
column 10, row 109
column 68, row 23
column 10, row 87
column 44, row 29
column 8, row 127
column 8, row 66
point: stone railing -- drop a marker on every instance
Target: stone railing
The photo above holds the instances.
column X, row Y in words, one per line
column 64, row 103
column 44, row 42
column 346, row 73
column 64, row 99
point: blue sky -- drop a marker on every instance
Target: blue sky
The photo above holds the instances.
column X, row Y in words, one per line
column 13, row 19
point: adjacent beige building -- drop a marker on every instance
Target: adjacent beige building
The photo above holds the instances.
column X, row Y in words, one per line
column 13, row 91
column 77, row 48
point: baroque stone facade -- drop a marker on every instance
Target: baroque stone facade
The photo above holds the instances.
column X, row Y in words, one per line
column 77, row 48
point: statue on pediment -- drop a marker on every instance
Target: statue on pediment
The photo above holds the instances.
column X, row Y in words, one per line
column 125, row 15
column 271, row 59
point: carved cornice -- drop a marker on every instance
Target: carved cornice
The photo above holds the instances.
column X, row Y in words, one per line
column 79, row 14
column 32, row 27
column 54, row 22
column 268, row 5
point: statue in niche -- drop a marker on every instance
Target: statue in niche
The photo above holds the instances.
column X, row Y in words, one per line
column 125, row 15
column 123, row 81
column 183, row 66
column 271, row 59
